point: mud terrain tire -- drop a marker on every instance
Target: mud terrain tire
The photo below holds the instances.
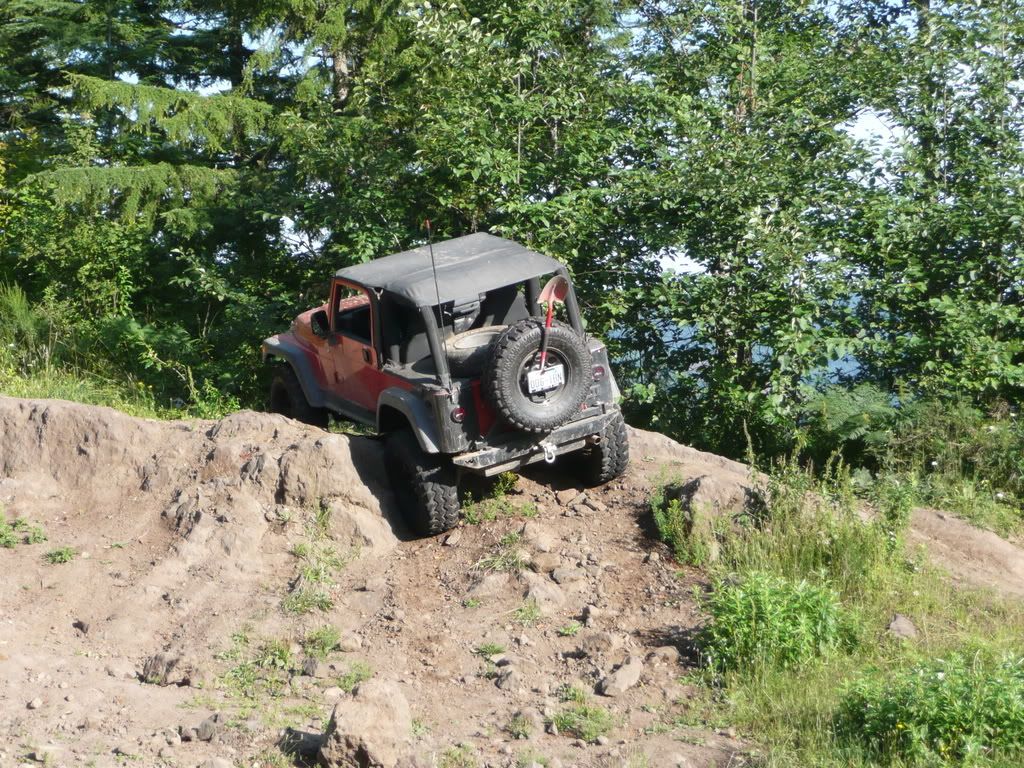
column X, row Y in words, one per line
column 468, row 351
column 609, row 458
column 425, row 485
column 514, row 353
column 288, row 399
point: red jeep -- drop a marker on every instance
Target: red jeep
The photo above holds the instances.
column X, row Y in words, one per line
column 448, row 352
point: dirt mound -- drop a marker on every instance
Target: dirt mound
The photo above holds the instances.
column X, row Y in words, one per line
column 219, row 589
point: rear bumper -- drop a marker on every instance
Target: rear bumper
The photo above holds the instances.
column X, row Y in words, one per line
column 520, row 450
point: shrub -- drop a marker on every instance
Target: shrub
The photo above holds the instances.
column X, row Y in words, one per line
column 676, row 526
column 951, row 711
column 584, row 721
column 58, row 556
column 767, row 621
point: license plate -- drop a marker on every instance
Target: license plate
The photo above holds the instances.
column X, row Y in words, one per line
column 542, row 381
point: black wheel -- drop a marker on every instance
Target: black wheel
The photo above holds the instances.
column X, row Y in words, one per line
column 609, row 458
column 515, row 354
column 468, row 351
column 288, row 399
column 424, row 485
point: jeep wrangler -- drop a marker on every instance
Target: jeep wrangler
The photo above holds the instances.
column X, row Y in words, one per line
column 447, row 351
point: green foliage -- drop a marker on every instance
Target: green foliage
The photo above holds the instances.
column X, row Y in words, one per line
column 528, row 613
column 358, row 672
column 19, row 531
column 60, row 555
column 678, row 525
column 584, row 721
column 489, row 649
column 458, row 757
column 508, row 555
column 570, row 630
column 519, row 727
column 954, row 711
column 320, row 642
column 765, row 621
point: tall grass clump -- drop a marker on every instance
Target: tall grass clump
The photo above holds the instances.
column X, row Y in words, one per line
column 959, row 710
column 765, row 621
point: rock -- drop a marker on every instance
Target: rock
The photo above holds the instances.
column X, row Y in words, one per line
column 349, row 642
column 902, row 627
column 567, row 496
column 652, row 557
column 47, row 755
column 566, row 575
column 509, row 679
column 207, row 730
column 595, row 504
column 35, row 703
column 623, row 678
column 666, row 654
column 81, row 626
column 371, row 729
column 491, row 585
column 537, row 536
column 127, row 750
column 121, row 669
column 548, row 595
column 595, row 643
column 602, row 741
column 333, row 693
column 453, row 539
column 315, row 668
column 533, row 719
column 545, row 562
column 158, row 669
column 218, row 762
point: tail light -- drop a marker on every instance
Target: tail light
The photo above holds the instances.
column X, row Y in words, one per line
column 598, row 372
column 458, row 415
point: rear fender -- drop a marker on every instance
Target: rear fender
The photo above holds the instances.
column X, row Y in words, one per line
column 398, row 403
column 287, row 350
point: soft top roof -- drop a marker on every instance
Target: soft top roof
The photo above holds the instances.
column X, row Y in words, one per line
column 466, row 266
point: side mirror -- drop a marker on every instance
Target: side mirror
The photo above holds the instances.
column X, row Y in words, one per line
column 320, row 325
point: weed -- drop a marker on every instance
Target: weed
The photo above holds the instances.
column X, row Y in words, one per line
column 489, row 649
column 322, row 519
column 272, row 758
column 321, row 642
column 572, row 693
column 358, row 672
column 61, row 555
column 584, row 721
column 419, row 728
column 528, row 613
column 950, row 710
column 274, row 654
column 472, row 602
column 767, row 621
column 303, row 601
column 519, row 727
column 570, row 630
column 8, row 536
column 529, row 758
column 507, row 556
column 20, row 530
column 458, row 757
column 504, row 484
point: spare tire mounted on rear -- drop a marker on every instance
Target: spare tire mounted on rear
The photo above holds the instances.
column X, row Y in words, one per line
column 537, row 403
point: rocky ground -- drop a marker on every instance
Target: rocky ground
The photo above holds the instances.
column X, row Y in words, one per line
column 209, row 593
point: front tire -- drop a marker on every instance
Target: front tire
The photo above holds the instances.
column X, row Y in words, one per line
column 288, row 399
column 424, row 484
column 608, row 459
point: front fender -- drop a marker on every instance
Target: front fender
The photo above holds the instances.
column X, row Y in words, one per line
column 306, row 369
column 416, row 412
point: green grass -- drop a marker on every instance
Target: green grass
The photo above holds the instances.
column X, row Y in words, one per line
column 303, row 601
column 802, row 590
column 458, row 757
column 519, row 727
column 954, row 710
column 358, row 672
column 507, row 556
column 320, row 642
column 489, row 649
column 60, row 555
column 20, row 531
column 584, row 721
column 570, row 630
column 572, row 693
column 763, row 620
column 527, row 614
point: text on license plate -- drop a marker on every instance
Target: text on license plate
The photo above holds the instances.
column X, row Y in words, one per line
column 542, row 381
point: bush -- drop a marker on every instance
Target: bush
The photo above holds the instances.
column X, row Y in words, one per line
column 765, row 621
column 951, row 711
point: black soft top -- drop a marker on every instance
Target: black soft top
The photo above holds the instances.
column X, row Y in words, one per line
column 466, row 267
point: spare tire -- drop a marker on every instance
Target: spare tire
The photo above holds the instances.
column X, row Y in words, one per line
column 517, row 352
column 468, row 351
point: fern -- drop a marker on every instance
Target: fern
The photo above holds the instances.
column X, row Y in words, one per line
column 849, row 420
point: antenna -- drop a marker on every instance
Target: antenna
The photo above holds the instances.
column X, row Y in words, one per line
column 437, row 287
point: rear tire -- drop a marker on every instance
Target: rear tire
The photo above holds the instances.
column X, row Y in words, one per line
column 469, row 351
column 288, row 399
column 424, row 484
column 608, row 459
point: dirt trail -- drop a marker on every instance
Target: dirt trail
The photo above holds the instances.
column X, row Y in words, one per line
column 186, row 537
